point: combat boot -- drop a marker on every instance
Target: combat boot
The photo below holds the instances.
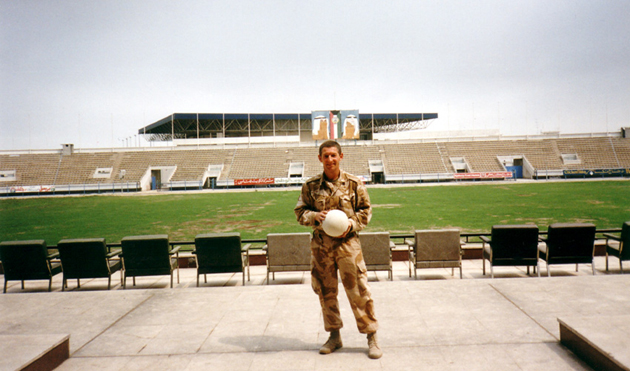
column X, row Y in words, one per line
column 333, row 343
column 374, row 351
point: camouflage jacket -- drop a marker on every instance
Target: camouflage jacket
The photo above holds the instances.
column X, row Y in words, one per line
column 348, row 194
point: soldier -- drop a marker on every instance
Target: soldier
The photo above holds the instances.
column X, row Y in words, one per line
column 336, row 189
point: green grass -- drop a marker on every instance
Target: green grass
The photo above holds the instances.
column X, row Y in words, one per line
column 471, row 207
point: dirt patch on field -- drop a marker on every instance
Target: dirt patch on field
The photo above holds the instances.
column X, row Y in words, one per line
column 386, row 206
column 190, row 229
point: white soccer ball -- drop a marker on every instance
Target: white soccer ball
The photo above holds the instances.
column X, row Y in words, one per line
column 336, row 223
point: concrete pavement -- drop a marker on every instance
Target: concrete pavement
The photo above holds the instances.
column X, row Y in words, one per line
column 437, row 322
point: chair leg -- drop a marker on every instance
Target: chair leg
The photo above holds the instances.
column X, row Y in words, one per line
column 50, row 284
column 606, row 261
column 548, row 270
column 593, row 265
column 243, row 278
column 78, row 283
column 5, row 287
column 205, row 278
column 528, row 270
column 197, row 279
column 576, row 267
column 537, row 268
column 109, row 282
column 124, row 278
column 460, row 271
column 171, row 279
column 64, row 284
column 267, row 276
column 620, row 265
column 134, row 280
column 22, row 284
column 452, row 272
column 483, row 261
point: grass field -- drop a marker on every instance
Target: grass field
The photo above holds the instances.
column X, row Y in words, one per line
column 470, row 207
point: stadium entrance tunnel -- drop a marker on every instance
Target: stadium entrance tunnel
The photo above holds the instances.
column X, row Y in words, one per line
column 156, row 176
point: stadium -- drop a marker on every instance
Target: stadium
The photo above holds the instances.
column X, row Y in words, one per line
column 215, row 154
column 209, row 151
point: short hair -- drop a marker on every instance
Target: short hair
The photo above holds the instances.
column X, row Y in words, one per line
column 329, row 144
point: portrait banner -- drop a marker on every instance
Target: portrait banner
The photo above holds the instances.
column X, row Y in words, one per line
column 342, row 124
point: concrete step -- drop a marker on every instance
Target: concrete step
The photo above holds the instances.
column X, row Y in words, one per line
column 601, row 342
column 33, row 352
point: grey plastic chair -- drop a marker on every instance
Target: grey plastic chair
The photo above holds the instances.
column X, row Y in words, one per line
column 435, row 249
column 377, row 251
column 288, row 252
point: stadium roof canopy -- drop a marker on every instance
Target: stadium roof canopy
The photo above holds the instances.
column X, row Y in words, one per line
column 222, row 125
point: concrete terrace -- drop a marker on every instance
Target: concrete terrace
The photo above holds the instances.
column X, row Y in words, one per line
column 437, row 322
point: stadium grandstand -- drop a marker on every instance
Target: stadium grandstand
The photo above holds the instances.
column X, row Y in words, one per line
column 208, row 151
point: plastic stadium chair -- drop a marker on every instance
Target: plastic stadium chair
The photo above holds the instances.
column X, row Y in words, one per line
column 88, row 258
column 568, row 243
column 435, row 249
column 221, row 253
column 28, row 260
column 377, row 251
column 288, row 252
column 148, row 255
column 619, row 246
column 511, row 245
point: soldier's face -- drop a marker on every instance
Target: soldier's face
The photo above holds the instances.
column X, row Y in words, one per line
column 330, row 158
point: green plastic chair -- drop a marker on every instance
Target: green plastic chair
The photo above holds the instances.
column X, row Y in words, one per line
column 87, row 258
column 621, row 247
column 221, row 253
column 511, row 245
column 28, row 260
column 568, row 243
column 149, row 255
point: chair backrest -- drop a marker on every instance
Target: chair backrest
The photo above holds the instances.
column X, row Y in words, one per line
column 289, row 249
column 514, row 241
column 570, row 239
column 220, row 251
column 625, row 240
column 375, row 247
column 83, row 258
column 146, row 252
column 24, row 259
column 437, row 245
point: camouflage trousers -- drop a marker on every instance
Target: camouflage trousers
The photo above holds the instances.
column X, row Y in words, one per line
column 329, row 256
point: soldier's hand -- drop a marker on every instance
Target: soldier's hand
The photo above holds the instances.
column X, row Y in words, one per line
column 320, row 216
column 347, row 230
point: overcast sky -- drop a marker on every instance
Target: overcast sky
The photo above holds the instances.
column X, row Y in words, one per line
column 92, row 73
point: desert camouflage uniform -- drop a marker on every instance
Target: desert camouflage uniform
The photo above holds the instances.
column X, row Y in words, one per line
column 329, row 254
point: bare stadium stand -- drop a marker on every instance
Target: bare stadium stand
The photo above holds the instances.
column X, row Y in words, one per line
column 281, row 164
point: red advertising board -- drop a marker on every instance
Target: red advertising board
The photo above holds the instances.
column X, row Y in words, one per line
column 256, row 181
column 484, row 175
